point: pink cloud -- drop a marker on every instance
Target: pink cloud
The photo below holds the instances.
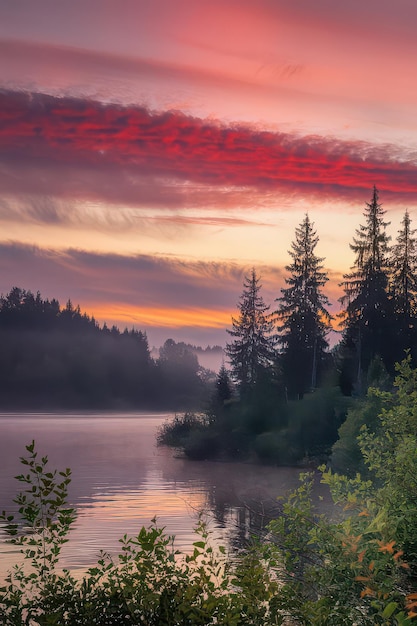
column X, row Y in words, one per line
column 126, row 147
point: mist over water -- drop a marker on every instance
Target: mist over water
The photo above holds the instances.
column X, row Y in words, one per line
column 121, row 480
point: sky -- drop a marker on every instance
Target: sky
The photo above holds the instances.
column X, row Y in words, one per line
column 152, row 152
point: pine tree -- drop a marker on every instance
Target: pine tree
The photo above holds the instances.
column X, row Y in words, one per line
column 368, row 313
column 251, row 352
column 224, row 389
column 403, row 285
column 221, row 396
column 303, row 319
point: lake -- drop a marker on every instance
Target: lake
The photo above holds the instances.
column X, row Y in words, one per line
column 121, row 480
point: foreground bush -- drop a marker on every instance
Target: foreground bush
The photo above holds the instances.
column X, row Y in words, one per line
column 149, row 583
column 359, row 570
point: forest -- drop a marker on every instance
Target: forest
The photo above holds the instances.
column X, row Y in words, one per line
column 286, row 394
column 59, row 357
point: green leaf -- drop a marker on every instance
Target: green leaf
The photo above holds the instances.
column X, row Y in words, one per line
column 389, row 610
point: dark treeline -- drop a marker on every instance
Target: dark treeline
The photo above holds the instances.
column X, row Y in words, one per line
column 54, row 357
column 286, row 393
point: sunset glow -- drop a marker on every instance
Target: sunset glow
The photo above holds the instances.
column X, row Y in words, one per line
column 163, row 317
column 152, row 153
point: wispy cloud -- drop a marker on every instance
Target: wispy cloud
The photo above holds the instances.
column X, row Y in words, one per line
column 138, row 281
column 164, row 295
column 80, row 70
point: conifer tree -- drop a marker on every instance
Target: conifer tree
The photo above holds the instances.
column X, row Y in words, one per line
column 403, row 285
column 303, row 318
column 368, row 313
column 221, row 396
column 224, row 389
column 251, row 352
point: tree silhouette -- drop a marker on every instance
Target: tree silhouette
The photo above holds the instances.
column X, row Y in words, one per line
column 403, row 285
column 179, row 370
column 224, row 389
column 303, row 319
column 53, row 357
column 221, row 396
column 251, row 352
column 368, row 312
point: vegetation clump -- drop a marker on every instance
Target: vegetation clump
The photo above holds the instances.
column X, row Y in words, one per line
column 286, row 396
column 150, row 582
column 176, row 431
column 360, row 567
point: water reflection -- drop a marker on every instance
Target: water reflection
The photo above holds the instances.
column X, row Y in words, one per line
column 121, row 480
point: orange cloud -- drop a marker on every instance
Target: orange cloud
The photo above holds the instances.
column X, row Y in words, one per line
column 162, row 317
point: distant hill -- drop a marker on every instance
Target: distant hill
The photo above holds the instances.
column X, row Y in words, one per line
column 210, row 358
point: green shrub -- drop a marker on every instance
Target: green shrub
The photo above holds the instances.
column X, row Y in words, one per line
column 202, row 445
column 176, row 431
column 275, row 448
column 314, row 420
column 346, row 455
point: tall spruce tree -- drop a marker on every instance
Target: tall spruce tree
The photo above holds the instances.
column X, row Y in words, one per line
column 303, row 318
column 368, row 315
column 403, row 286
column 251, row 352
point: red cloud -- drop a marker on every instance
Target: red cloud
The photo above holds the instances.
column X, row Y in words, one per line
column 74, row 133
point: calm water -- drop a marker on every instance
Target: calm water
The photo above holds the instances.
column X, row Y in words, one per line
column 121, row 480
